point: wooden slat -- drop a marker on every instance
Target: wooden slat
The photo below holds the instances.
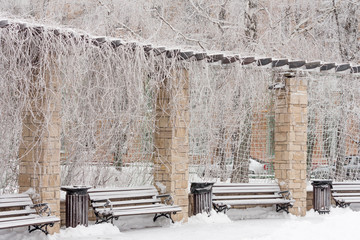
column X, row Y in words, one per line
column 120, row 196
column 253, row 202
column 97, row 190
column 115, row 203
column 15, row 204
column 245, row 190
column 28, row 222
column 115, row 209
column 215, row 197
column 348, row 198
column 8, row 200
column 9, row 219
column 351, row 201
column 345, row 183
column 335, row 194
column 346, row 188
column 21, row 195
column 147, row 211
column 248, row 185
column 123, row 192
column 17, row 212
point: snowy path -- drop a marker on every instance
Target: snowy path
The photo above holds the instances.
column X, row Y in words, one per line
column 339, row 224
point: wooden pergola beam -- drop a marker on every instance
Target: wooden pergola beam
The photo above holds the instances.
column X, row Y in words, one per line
column 183, row 54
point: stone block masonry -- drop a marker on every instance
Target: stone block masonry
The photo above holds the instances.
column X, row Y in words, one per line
column 171, row 140
column 40, row 148
column 290, row 140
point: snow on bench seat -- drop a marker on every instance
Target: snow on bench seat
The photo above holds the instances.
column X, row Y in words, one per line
column 109, row 204
column 164, row 209
column 29, row 222
column 226, row 195
column 18, row 210
column 254, row 202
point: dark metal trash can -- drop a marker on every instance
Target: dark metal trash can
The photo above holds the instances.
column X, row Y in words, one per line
column 202, row 195
column 77, row 205
column 322, row 195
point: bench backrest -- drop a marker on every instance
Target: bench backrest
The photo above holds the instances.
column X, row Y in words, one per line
column 245, row 188
column 15, row 205
column 126, row 196
column 345, row 186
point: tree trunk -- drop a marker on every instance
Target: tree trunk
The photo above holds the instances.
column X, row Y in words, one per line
column 241, row 152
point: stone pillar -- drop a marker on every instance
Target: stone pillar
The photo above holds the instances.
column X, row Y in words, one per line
column 40, row 148
column 171, row 140
column 290, row 140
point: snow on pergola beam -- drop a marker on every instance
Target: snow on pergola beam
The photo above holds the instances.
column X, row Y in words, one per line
column 181, row 54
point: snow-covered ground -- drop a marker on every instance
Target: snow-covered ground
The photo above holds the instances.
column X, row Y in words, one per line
column 257, row 223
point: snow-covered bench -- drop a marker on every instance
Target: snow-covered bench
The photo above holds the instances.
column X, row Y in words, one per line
column 109, row 204
column 345, row 193
column 18, row 210
column 226, row 195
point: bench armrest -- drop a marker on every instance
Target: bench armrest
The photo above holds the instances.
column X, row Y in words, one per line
column 108, row 203
column 285, row 194
column 168, row 199
column 41, row 208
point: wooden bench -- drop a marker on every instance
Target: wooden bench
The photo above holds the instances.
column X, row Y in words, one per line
column 18, row 210
column 345, row 193
column 226, row 195
column 109, row 204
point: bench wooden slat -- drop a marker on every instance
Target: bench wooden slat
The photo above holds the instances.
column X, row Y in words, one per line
column 124, row 192
column 15, row 204
column 346, row 188
column 248, row 188
column 254, row 202
column 216, row 197
column 168, row 209
column 335, row 194
column 29, row 222
column 19, row 195
column 114, row 195
column 17, row 212
column 131, row 207
column 6, row 200
column 246, row 185
column 345, row 183
column 9, row 219
column 348, row 200
column 115, row 203
column 260, row 190
column 99, row 190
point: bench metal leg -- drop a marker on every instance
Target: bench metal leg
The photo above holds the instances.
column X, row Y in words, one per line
column 221, row 208
column 167, row 215
column 342, row 204
column 282, row 207
column 42, row 227
column 106, row 219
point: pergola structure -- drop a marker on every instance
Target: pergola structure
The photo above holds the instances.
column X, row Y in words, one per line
column 171, row 139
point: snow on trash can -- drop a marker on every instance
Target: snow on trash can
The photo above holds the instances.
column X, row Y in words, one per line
column 202, row 197
column 77, row 205
column 322, row 195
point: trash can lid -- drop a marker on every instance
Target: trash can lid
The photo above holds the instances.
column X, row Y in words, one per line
column 201, row 187
column 321, row 182
column 76, row 189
